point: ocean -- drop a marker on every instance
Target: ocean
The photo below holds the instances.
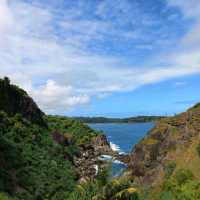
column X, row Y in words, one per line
column 122, row 138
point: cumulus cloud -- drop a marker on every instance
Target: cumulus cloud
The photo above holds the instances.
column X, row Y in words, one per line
column 52, row 94
column 46, row 51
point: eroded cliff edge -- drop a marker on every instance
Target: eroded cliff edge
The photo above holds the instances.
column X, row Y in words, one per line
column 172, row 142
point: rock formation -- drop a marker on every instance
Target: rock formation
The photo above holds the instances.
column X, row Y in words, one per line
column 173, row 140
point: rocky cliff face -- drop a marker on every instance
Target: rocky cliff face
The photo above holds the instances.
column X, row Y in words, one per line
column 88, row 162
column 100, row 143
column 173, row 140
column 14, row 100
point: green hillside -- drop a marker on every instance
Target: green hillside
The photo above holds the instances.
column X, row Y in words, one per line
column 33, row 164
column 38, row 154
column 52, row 157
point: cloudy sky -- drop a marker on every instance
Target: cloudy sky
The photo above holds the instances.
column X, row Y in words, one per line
column 103, row 57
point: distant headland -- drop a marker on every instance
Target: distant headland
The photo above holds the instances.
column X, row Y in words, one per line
column 137, row 119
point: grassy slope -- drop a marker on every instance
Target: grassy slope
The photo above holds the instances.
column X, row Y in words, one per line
column 184, row 157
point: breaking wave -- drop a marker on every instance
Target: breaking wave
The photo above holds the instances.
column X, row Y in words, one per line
column 116, row 147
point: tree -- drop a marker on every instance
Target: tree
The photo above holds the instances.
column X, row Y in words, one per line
column 6, row 81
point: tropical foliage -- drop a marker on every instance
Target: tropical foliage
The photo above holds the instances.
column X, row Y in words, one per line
column 36, row 154
column 80, row 132
column 120, row 188
column 32, row 166
column 36, row 158
column 182, row 186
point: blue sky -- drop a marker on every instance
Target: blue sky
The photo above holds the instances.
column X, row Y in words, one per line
column 103, row 57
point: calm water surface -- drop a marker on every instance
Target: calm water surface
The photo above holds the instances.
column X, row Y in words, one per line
column 124, row 136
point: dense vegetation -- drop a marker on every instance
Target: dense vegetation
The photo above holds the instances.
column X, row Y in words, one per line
column 181, row 185
column 32, row 164
column 79, row 132
column 103, row 189
column 14, row 100
column 138, row 119
column 36, row 153
column 36, row 156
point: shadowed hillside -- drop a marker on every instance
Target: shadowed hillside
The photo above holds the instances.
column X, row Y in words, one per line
column 14, row 100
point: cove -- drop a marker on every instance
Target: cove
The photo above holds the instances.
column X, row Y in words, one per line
column 122, row 138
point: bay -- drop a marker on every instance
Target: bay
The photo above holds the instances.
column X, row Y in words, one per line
column 122, row 138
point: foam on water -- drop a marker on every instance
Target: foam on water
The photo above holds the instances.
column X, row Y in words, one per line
column 123, row 137
column 111, row 158
column 116, row 147
column 119, row 162
column 96, row 167
column 105, row 157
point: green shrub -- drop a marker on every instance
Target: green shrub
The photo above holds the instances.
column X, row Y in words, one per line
column 4, row 197
column 81, row 133
column 183, row 175
column 198, row 149
column 27, row 160
column 190, row 190
column 104, row 175
column 169, row 169
column 85, row 191
column 181, row 186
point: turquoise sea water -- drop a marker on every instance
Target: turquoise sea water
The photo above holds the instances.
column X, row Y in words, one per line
column 123, row 137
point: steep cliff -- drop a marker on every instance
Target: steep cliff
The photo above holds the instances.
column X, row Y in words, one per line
column 170, row 146
column 14, row 100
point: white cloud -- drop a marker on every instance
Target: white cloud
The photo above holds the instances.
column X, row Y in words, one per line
column 57, row 68
column 53, row 97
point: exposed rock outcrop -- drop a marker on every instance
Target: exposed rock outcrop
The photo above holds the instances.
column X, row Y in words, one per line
column 101, row 144
column 88, row 158
column 86, row 161
column 165, row 143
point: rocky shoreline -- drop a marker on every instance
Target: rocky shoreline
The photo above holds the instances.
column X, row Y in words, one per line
column 89, row 158
column 89, row 161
